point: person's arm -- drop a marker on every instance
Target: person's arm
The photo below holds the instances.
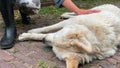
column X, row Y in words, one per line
column 71, row 6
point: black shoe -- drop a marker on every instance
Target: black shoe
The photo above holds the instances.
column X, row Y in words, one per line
column 8, row 39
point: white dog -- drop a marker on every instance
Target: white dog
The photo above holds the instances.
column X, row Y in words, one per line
column 82, row 38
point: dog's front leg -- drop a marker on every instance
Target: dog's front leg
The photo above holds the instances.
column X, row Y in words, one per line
column 47, row 29
column 35, row 36
column 31, row 36
column 51, row 28
column 72, row 62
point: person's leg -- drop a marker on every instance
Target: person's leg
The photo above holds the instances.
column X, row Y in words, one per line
column 8, row 39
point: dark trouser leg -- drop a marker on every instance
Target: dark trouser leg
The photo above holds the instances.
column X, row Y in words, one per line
column 25, row 18
column 8, row 39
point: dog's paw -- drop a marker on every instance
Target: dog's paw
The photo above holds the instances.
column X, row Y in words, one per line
column 68, row 15
column 23, row 36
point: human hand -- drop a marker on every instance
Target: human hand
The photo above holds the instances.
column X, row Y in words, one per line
column 83, row 11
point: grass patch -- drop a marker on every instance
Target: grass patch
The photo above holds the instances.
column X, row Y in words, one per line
column 43, row 64
column 91, row 3
column 51, row 12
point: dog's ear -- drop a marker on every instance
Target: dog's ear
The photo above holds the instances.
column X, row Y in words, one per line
column 83, row 44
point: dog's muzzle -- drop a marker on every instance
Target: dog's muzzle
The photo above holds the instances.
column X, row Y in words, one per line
column 29, row 6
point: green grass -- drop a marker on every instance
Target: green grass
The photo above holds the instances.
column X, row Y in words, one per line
column 51, row 12
column 43, row 64
column 91, row 3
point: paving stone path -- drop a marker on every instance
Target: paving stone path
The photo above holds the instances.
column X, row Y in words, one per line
column 29, row 54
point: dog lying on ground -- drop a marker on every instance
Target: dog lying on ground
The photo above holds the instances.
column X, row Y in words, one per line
column 82, row 38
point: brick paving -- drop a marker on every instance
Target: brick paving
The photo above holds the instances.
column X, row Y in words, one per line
column 28, row 54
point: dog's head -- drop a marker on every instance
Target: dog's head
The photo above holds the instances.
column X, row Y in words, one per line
column 80, row 42
column 29, row 6
column 76, row 37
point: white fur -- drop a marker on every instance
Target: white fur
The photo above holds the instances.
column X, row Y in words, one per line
column 84, row 37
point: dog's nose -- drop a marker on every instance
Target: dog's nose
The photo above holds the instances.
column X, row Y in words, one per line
column 24, row 4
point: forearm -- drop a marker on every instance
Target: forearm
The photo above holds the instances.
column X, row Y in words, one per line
column 71, row 6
